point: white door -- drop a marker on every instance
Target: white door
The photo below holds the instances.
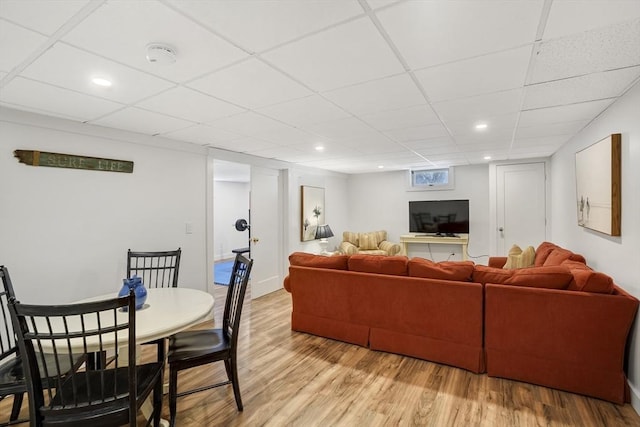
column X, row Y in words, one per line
column 520, row 206
column 265, row 220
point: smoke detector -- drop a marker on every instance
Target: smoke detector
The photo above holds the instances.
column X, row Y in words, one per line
column 160, row 54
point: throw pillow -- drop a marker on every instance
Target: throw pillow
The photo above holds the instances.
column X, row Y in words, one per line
column 587, row 280
column 445, row 270
column 368, row 241
column 303, row 259
column 557, row 256
column 543, row 252
column 518, row 258
column 379, row 264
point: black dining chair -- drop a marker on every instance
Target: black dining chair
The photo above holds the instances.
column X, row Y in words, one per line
column 189, row 349
column 106, row 396
column 12, row 382
column 156, row 269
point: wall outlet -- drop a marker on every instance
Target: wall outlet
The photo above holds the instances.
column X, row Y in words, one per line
column 188, row 228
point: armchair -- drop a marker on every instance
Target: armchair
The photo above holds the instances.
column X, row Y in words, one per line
column 371, row 243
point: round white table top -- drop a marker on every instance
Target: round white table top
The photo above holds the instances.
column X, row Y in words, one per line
column 165, row 312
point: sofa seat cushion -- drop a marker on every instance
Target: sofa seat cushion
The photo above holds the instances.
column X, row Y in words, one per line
column 303, row 259
column 393, row 265
column 549, row 277
column 372, row 252
column 519, row 258
column 446, row 270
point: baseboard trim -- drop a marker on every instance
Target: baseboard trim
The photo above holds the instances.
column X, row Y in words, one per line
column 635, row 399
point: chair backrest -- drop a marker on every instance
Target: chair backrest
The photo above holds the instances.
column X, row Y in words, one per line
column 157, row 269
column 66, row 333
column 235, row 298
column 8, row 343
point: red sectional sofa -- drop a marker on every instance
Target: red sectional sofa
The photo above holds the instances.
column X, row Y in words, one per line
column 558, row 324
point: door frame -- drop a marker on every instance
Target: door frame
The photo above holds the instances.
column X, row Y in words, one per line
column 493, row 198
column 216, row 154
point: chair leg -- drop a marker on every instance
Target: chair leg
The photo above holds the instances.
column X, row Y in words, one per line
column 234, row 382
column 157, row 401
column 173, row 392
column 227, row 367
column 17, row 404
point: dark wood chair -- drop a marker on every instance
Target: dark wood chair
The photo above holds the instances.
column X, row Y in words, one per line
column 157, row 269
column 189, row 349
column 12, row 381
column 106, row 396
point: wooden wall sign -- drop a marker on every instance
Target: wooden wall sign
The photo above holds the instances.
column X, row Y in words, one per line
column 70, row 161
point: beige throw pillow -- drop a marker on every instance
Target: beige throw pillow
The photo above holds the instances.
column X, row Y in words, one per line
column 518, row 258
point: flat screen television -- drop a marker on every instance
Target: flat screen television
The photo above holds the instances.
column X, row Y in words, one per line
column 440, row 217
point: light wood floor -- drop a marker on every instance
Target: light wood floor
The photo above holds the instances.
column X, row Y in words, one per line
column 294, row 379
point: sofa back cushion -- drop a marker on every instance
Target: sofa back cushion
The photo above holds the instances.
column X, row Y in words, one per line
column 542, row 252
column 368, row 241
column 549, row 277
column 587, row 280
column 303, row 259
column 483, row 274
column 446, row 270
column 351, row 237
column 393, row 265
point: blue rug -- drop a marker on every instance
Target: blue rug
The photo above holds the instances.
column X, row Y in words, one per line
column 222, row 272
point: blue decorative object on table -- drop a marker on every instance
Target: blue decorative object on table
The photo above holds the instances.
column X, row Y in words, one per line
column 139, row 290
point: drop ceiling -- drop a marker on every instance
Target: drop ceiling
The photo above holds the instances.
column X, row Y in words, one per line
column 375, row 83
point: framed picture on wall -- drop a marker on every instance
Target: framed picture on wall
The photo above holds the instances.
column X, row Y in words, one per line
column 312, row 211
column 598, row 181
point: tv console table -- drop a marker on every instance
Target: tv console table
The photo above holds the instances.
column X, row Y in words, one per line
column 462, row 240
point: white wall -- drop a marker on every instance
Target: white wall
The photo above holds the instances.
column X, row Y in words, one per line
column 65, row 233
column 380, row 201
column 336, row 207
column 615, row 256
column 230, row 203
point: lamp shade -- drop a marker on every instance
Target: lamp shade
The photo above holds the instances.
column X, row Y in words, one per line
column 323, row 232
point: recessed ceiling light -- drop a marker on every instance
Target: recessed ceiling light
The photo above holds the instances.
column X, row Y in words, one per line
column 487, row 157
column 380, row 166
column 481, row 126
column 319, row 148
column 100, row 81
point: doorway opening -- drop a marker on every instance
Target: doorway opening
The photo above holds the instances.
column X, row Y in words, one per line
column 231, row 201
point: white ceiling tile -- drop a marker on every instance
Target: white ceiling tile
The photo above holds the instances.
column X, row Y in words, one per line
column 349, row 53
column 287, row 154
column 44, row 16
column 16, row 44
column 564, row 113
column 258, row 25
column 290, row 136
column 425, row 144
column 556, row 141
column 55, row 100
column 142, row 121
column 496, row 125
column 245, row 145
column 484, row 146
column 139, row 23
column 251, row 84
column 248, row 124
column 389, row 93
column 340, row 129
column 377, row 4
column 190, row 105
column 589, row 87
column 202, row 134
column 608, row 48
column 373, row 143
column 476, row 76
column 570, row 17
column 304, row 111
column 417, row 133
column 479, row 108
column 419, row 115
column 72, row 68
column 562, row 128
column 435, row 32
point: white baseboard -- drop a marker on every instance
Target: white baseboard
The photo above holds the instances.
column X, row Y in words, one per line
column 635, row 399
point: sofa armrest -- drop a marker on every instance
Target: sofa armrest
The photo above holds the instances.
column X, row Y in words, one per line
column 348, row 248
column 389, row 247
column 287, row 283
column 497, row 261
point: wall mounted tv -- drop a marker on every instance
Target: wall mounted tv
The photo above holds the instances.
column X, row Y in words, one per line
column 440, row 217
